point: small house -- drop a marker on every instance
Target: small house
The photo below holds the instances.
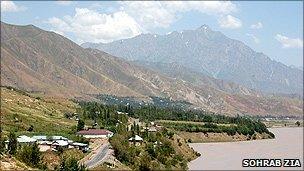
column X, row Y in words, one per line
column 122, row 113
column 40, row 137
column 54, row 138
column 136, row 139
column 60, row 143
column 23, row 139
column 152, row 129
column 81, row 146
column 157, row 143
column 95, row 133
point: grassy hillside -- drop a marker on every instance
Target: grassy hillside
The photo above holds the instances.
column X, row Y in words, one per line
column 20, row 110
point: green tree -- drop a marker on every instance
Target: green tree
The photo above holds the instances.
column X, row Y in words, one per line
column 150, row 149
column 60, row 150
column 80, row 125
column 70, row 164
column 2, row 144
column 207, row 118
column 120, row 145
column 298, row 123
column 145, row 161
column 12, row 143
column 31, row 128
column 2, row 141
column 137, row 129
column 35, row 154
column 29, row 154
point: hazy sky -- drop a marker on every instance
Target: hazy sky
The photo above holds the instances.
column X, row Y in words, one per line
column 274, row 28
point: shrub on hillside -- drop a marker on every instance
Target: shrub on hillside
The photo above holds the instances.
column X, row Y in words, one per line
column 29, row 154
column 12, row 143
column 70, row 164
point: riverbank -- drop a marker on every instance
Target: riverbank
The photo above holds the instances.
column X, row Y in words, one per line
column 283, row 123
column 229, row 155
column 200, row 137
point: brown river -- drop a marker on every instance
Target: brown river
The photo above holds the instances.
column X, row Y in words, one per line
column 288, row 144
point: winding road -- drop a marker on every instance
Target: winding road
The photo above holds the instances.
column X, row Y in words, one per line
column 101, row 154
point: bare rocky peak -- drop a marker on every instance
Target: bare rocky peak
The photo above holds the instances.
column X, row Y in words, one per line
column 204, row 50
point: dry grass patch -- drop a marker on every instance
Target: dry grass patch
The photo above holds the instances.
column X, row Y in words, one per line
column 20, row 110
column 190, row 122
column 11, row 163
column 181, row 147
column 200, row 137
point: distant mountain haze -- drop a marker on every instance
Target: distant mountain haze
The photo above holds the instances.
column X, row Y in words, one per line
column 178, row 71
column 210, row 52
column 37, row 60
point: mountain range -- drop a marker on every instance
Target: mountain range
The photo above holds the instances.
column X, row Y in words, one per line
column 33, row 59
column 178, row 71
column 210, row 53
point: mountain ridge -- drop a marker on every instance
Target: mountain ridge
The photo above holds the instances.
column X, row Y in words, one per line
column 177, row 71
column 36, row 60
column 202, row 50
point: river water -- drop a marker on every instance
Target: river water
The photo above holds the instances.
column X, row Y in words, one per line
column 288, row 144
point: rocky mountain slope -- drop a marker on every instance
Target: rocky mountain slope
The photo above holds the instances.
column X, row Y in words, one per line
column 36, row 60
column 210, row 52
column 178, row 71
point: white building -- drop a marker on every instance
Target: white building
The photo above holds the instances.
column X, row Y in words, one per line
column 40, row 137
column 81, row 146
column 52, row 143
column 59, row 138
column 22, row 139
column 95, row 133
column 136, row 139
column 152, row 129
column 25, row 139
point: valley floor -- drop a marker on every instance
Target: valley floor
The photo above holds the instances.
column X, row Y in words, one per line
column 26, row 113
